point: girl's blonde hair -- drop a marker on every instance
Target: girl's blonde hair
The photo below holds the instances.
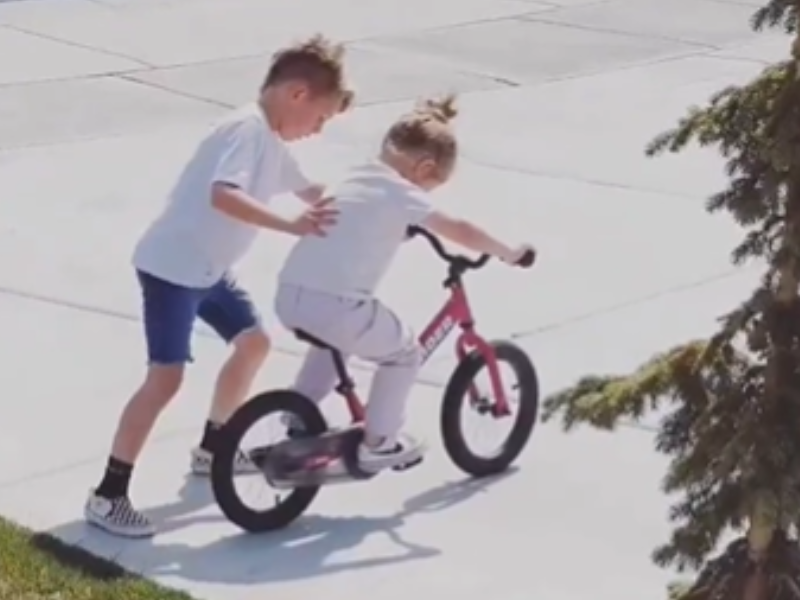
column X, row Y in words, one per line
column 426, row 132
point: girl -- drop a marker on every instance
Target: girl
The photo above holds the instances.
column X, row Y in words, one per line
column 327, row 284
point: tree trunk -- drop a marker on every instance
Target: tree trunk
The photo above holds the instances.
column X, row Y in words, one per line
column 756, row 586
column 764, row 517
column 789, row 275
column 759, row 538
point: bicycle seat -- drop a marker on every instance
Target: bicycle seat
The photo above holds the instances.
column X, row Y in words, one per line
column 310, row 339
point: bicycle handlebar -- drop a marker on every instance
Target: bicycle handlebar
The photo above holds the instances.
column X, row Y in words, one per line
column 471, row 263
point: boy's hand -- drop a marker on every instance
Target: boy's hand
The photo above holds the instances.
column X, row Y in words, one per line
column 523, row 256
column 311, row 195
column 315, row 220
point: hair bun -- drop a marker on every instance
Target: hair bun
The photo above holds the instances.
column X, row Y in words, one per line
column 441, row 109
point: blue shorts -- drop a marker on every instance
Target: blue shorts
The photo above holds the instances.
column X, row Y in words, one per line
column 170, row 311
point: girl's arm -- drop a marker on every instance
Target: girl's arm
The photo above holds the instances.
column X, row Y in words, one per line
column 469, row 235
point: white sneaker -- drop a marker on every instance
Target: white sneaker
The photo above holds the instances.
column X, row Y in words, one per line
column 390, row 454
column 117, row 516
column 201, row 463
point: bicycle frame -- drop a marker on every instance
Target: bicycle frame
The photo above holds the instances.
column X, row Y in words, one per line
column 456, row 312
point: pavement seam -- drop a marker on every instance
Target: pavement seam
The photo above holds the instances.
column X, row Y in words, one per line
column 621, row 306
column 376, row 48
column 737, row 3
column 630, row 34
column 147, row 66
column 131, row 78
column 578, row 179
column 643, row 64
column 745, row 59
column 70, row 79
column 689, row 51
column 73, row 44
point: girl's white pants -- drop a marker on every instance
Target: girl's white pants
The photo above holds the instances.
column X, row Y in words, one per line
column 363, row 328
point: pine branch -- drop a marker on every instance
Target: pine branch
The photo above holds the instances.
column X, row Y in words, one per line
column 777, row 14
column 727, row 446
column 734, row 121
column 679, row 590
column 752, row 126
column 721, row 579
column 736, row 322
column 701, row 518
column 602, row 401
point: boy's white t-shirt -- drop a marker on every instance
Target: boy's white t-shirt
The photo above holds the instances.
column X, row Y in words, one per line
column 376, row 206
column 191, row 243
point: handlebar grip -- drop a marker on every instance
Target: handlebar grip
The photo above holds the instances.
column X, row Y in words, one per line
column 481, row 261
column 527, row 259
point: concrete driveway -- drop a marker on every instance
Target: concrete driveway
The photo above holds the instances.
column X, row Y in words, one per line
column 100, row 102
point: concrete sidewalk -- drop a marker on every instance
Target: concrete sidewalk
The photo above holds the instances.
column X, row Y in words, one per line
column 103, row 99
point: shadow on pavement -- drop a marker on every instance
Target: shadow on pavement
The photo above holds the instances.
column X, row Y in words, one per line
column 452, row 493
column 303, row 550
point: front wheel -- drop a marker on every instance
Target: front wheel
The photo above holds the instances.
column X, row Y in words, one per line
column 302, row 410
column 457, row 397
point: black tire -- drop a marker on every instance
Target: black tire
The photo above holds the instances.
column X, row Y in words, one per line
column 222, row 477
column 456, row 392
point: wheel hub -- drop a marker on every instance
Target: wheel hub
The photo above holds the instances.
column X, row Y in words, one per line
column 485, row 406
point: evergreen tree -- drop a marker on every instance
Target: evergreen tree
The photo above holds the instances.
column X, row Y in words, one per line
column 732, row 402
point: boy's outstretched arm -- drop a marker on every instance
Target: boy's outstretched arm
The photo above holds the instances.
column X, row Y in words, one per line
column 312, row 194
column 245, row 147
column 471, row 236
column 237, row 204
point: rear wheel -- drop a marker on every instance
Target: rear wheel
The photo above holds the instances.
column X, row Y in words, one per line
column 457, row 398
column 301, row 411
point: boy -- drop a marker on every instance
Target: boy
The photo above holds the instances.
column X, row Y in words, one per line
column 184, row 258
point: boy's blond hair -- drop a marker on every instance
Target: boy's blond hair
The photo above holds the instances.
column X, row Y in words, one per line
column 318, row 62
column 426, row 132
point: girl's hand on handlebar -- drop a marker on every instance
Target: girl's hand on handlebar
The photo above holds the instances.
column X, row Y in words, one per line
column 522, row 256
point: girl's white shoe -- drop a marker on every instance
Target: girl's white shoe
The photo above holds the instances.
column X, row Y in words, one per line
column 390, row 453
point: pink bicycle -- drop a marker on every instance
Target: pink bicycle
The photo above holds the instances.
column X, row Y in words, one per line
column 319, row 456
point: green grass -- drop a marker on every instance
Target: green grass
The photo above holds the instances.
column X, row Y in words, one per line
column 39, row 567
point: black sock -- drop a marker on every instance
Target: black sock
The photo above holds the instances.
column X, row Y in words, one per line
column 116, row 479
column 210, row 436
